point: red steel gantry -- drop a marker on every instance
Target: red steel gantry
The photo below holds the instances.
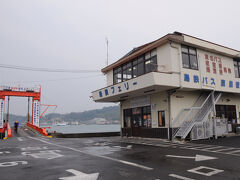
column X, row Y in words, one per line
column 34, row 93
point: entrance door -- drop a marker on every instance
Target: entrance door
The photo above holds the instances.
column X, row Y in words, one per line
column 227, row 111
column 136, row 121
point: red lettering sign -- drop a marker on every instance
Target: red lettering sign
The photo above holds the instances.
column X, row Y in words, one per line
column 229, row 70
column 225, row 70
column 206, row 56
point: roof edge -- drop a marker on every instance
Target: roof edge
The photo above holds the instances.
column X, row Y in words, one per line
column 147, row 47
column 176, row 36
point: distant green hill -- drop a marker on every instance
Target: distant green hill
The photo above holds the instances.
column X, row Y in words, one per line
column 111, row 113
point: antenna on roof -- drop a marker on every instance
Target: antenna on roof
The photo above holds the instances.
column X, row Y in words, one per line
column 107, row 49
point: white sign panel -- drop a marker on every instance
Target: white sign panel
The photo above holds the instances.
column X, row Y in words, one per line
column 1, row 113
column 140, row 101
column 36, row 113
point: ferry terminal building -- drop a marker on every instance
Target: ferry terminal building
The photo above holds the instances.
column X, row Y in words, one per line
column 176, row 86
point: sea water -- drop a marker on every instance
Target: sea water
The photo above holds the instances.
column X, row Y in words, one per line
column 69, row 129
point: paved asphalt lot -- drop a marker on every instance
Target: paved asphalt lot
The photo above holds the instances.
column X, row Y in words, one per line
column 26, row 156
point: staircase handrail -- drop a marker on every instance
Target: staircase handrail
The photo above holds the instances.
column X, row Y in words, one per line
column 193, row 107
column 188, row 114
column 203, row 117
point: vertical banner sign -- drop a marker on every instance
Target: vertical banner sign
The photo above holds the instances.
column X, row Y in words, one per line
column 36, row 113
column 1, row 112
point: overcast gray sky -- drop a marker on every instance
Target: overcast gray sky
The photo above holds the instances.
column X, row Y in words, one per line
column 70, row 34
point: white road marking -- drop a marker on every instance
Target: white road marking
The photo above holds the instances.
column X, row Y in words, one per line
column 49, row 154
column 211, row 148
column 14, row 163
column 6, row 152
column 20, row 139
column 196, row 146
column 80, row 176
column 233, row 152
column 224, row 149
column 100, row 156
column 150, row 144
column 197, row 157
column 212, row 172
column 34, row 148
column 180, row 177
column 129, row 147
column 120, row 147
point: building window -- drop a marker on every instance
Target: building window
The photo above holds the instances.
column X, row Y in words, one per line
column 161, row 118
column 147, row 121
column 129, row 70
column 189, row 57
column 135, row 68
column 236, row 68
column 151, row 61
column 142, row 64
column 117, row 75
column 124, row 73
column 137, row 117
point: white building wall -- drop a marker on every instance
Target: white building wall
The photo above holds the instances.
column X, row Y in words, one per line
column 163, row 57
column 199, row 42
column 159, row 102
column 109, row 76
column 211, row 80
column 175, row 50
column 182, row 100
column 124, row 105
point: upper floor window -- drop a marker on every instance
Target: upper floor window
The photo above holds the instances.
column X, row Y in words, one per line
column 236, row 68
column 138, row 66
column 117, row 75
column 151, row 61
column 189, row 57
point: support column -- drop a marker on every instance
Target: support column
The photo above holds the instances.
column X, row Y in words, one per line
column 28, row 115
column 8, row 109
column 170, row 92
column 214, row 115
column 9, row 131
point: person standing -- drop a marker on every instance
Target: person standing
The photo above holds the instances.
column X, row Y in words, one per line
column 16, row 127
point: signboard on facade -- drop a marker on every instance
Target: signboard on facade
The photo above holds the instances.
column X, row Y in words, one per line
column 22, row 89
column 216, row 72
column 117, row 89
column 140, row 101
column 1, row 113
column 36, row 113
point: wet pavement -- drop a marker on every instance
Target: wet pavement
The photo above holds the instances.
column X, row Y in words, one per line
column 29, row 156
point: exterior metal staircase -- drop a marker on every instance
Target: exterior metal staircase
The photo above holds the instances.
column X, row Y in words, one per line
column 189, row 117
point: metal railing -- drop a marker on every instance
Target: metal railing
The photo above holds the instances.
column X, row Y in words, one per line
column 194, row 115
column 184, row 113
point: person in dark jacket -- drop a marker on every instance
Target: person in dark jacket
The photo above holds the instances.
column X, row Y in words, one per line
column 16, row 127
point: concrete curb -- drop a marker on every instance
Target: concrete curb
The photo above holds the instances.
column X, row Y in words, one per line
column 84, row 135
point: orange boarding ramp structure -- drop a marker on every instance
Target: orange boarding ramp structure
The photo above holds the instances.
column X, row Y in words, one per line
column 34, row 93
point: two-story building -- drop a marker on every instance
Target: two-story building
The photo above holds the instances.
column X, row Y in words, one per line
column 175, row 86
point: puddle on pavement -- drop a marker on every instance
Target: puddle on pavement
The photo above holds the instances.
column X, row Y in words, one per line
column 101, row 150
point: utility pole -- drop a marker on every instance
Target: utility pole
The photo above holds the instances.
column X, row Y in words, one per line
column 107, row 49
